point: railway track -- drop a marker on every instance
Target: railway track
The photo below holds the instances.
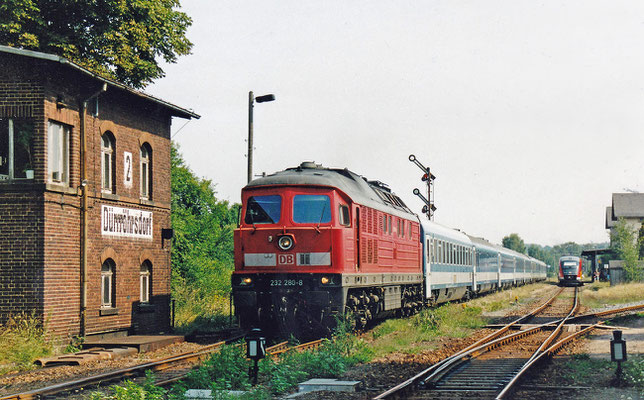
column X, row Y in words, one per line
column 492, row 367
column 167, row 370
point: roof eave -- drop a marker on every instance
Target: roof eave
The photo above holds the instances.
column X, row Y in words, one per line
column 175, row 110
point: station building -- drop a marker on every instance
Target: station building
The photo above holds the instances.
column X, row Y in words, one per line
column 629, row 206
column 85, row 228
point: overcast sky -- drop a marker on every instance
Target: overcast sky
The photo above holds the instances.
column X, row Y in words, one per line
column 530, row 113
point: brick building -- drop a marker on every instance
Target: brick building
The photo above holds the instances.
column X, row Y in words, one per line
column 84, row 198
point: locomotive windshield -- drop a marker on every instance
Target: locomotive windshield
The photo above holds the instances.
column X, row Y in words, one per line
column 311, row 209
column 263, row 209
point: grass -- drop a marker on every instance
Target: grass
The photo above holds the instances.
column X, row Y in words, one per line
column 418, row 333
column 22, row 341
column 601, row 294
column 581, row 369
column 201, row 310
column 509, row 297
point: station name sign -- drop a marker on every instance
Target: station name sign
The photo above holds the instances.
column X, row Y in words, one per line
column 126, row 222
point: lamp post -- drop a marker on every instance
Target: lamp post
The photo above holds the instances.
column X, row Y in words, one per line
column 251, row 101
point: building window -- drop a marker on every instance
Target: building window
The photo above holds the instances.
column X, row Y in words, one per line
column 146, row 171
column 107, row 283
column 107, row 162
column 58, row 152
column 16, row 149
column 144, row 279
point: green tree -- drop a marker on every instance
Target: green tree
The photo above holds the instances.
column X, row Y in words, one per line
column 202, row 245
column 119, row 39
column 625, row 243
column 514, row 242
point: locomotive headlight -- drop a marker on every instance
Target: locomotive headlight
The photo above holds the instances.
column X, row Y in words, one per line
column 246, row 281
column 326, row 280
column 285, row 242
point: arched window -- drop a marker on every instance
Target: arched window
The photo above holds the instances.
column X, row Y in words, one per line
column 107, row 283
column 144, row 279
column 107, row 162
column 146, row 171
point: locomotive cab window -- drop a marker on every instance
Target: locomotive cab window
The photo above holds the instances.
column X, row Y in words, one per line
column 311, row 209
column 263, row 209
column 345, row 219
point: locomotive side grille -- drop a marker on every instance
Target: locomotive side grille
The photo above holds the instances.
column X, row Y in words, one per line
column 370, row 251
column 375, row 251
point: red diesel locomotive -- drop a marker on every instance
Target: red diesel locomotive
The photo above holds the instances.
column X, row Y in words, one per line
column 314, row 242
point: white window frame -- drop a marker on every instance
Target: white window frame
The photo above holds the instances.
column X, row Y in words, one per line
column 145, row 176
column 144, row 282
column 107, row 163
column 107, row 276
column 58, row 153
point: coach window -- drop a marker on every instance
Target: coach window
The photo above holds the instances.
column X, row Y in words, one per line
column 345, row 219
column 16, row 149
column 107, row 162
column 144, row 280
column 443, row 252
column 107, row 283
column 311, row 209
column 146, row 171
column 58, row 152
column 263, row 209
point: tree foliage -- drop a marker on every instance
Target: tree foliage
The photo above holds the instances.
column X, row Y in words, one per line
column 120, row 39
column 202, row 245
column 625, row 243
column 514, row 242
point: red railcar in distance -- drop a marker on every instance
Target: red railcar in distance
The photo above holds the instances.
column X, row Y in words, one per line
column 314, row 243
column 570, row 271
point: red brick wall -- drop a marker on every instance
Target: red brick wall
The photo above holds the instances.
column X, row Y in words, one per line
column 40, row 262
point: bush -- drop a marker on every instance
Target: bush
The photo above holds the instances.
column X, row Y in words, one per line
column 225, row 370
column 22, row 341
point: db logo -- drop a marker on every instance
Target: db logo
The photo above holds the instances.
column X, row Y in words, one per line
column 285, row 259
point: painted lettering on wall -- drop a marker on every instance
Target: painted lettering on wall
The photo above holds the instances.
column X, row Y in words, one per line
column 126, row 222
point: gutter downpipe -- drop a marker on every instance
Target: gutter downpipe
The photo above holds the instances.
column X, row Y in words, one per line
column 83, row 185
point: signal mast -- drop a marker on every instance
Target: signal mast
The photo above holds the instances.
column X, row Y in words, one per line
column 428, row 178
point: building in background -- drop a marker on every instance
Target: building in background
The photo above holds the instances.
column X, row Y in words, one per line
column 629, row 206
column 84, row 198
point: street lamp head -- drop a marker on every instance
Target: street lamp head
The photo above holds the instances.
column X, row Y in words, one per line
column 265, row 98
